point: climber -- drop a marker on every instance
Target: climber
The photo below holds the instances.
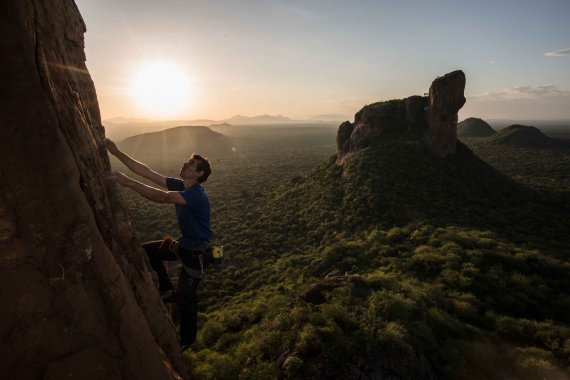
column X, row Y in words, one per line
column 193, row 215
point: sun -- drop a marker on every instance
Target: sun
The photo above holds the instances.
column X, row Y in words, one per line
column 161, row 88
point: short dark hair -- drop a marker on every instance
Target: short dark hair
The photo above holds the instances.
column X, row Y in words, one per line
column 202, row 166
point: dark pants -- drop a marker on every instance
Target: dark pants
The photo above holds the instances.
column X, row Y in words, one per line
column 186, row 295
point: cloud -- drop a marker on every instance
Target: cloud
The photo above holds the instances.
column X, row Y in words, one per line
column 524, row 92
column 558, row 53
column 521, row 102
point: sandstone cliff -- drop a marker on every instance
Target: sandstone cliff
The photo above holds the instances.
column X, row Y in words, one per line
column 430, row 120
column 77, row 299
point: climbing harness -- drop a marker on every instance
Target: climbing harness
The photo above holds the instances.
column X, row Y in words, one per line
column 214, row 253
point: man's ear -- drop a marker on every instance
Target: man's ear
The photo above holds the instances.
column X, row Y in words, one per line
column 200, row 173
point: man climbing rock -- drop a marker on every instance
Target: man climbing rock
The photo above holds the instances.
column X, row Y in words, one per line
column 193, row 215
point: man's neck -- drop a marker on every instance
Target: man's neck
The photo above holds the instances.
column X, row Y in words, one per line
column 188, row 183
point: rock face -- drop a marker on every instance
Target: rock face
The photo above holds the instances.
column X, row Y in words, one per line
column 445, row 100
column 76, row 294
column 428, row 120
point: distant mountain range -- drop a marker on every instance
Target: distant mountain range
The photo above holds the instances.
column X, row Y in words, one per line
column 119, row 128
column 261, row 119
column 331, row 117
column 236, row 120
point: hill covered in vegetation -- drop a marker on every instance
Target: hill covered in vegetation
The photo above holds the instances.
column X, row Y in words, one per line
column 387, row 267
column 543, row 166
column 473, row 127
column 526, row 137
column 177, row 143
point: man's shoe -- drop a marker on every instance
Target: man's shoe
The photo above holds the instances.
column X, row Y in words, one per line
column 167, row 296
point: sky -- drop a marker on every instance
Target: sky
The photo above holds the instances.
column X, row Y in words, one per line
column 301, row 58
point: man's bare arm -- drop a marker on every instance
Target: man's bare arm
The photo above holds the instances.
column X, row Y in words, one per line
column 135, row 166
column 149, row 192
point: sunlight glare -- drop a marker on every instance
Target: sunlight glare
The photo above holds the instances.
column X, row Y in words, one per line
column 161, row 88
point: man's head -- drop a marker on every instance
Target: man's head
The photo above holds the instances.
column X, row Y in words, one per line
column 202, row 166
column 197, row 167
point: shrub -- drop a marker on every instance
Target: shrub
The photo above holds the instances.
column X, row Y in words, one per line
column 210, row 332
column 209, row 364
column 396, row 234
column 292, row 366
column 390, row 306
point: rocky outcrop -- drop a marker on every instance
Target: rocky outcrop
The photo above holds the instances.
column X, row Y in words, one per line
column 445, row 100
column 76, row 294
column 428, row 120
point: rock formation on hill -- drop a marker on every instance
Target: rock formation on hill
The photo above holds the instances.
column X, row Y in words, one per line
column 429, row 120
column 77, row 297
column 473, row 127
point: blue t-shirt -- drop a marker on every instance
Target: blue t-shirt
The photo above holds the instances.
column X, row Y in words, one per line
column 193, row 217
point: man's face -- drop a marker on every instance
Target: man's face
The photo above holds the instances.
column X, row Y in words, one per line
column 189, row 170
